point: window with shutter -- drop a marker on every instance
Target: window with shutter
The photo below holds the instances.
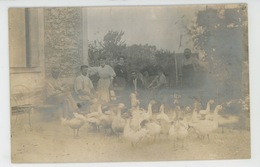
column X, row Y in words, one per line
column 23, row 39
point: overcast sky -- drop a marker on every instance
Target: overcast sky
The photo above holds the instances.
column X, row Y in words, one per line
column 159, row 26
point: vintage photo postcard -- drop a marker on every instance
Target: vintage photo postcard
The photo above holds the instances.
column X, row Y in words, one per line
column 129, row 83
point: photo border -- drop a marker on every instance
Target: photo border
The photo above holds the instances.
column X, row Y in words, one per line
column 254, row 59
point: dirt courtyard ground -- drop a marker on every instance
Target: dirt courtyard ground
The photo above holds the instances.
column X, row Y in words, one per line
column 53, row 142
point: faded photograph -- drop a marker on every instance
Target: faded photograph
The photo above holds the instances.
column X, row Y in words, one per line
column 126, row 84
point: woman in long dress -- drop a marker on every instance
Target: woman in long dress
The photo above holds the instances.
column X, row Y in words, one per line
column 106, row 76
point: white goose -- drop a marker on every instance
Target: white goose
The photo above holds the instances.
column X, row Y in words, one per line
column 134, row 136
column 139, row 115
column 118, row 122
column 134, row 101
column 162, row 115
column 149, row 114
column 75, row 123
column 207, row 110
column 94, row 118
column 178, row 131
column 205, row 127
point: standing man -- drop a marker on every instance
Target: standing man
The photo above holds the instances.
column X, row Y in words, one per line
column 83, row 85
column 188, row 68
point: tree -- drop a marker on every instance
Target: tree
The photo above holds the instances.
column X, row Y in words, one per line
column 94, row 51
column 112, row 44
column 221, row 33
column 137, row 55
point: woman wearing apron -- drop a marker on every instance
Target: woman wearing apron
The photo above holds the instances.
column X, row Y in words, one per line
column 106, row 75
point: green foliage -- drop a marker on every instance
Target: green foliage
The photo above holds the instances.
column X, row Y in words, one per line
column 137, row 56
column 111, row 46
column 94, row 51
column 221, row 33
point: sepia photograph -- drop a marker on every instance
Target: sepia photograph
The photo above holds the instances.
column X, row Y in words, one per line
column 129, row 83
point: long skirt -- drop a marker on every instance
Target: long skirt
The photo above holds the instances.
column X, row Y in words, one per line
column 103, row 89
column 120, row 82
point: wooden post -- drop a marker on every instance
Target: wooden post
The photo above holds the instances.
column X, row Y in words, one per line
column 176, row 70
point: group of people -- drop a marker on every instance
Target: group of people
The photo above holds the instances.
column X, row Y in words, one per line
column 114, row 83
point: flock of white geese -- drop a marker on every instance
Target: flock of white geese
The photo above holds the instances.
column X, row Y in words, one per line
column 138, row 125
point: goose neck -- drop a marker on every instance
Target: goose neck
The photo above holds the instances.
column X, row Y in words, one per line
column 149, row 107
column 208, row 106
column 216, row 113
column 119, row 113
